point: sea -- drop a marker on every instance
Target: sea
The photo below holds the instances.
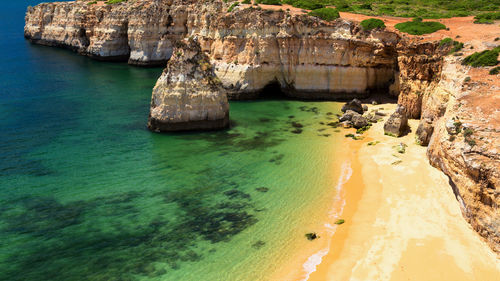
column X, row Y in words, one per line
column 89, row 193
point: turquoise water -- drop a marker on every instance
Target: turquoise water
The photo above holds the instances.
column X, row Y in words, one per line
column 88, row 193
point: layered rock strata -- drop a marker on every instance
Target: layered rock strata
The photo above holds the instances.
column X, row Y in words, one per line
column 462, row 129
column 188, row 95
column 419, row 67
column 249, row 48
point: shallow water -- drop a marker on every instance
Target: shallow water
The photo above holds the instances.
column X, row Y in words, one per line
column 88, row 193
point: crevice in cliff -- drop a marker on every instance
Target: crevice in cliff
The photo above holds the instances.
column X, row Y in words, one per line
column 84, row 39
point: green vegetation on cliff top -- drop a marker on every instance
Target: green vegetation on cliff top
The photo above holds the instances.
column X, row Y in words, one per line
column 405, row 8
column 370, row 24
column 327, row 14
column 419, row 27
column 484, row 58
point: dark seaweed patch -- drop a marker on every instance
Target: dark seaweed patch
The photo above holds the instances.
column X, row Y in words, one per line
column 262, row 189
column 234, row 193
column 41, row 216
column 277, row 159
column 68, row 244
column 258, row 244
column 314, row 109
column 237, row 142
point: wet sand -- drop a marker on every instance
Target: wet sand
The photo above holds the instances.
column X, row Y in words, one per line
column 402, row 220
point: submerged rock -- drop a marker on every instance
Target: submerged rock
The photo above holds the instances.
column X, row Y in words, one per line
column 311, row 236
column 397, row 124
column 188, row 95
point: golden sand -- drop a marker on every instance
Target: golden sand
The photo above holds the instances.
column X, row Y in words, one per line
column 402, row 220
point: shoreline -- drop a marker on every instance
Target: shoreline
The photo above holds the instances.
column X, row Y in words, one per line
column 402, row 221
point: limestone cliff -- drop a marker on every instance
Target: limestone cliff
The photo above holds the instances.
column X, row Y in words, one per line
column 462, row 128
column 249, row 48
column 188, row 95
column 419, row 67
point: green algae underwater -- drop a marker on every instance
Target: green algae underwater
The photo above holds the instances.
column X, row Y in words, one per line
column 88, row 193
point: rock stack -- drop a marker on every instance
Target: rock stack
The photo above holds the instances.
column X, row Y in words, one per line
column 188, row 95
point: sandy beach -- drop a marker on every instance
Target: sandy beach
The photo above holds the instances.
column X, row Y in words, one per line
column 402, row 219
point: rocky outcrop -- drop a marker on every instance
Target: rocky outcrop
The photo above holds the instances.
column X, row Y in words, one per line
column 461, row 126
column 397, row 124
column 188, row 95
column 420, row 67
column 470, row 155
column 354, row 105
column 249, row 48
column 424, row 131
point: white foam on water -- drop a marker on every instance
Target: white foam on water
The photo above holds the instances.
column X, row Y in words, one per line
column 313, row 261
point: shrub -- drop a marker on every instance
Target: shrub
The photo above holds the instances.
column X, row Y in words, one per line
column 269, row 2
column 468, row 132
column 484, row 58
column 487, row 18
column 370, row 24
column 304, row 4
column 342, row 5
column 418, row 27
column 495, row 70
column 231, row 8
column 327, row 14
column 115, row 1
column 446, row 42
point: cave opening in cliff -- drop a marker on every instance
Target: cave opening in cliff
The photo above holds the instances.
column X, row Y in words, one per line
column 273, row 90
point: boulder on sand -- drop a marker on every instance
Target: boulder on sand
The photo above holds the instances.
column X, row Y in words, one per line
column 359, row 121
column 354, row 105
column 397, row 124
column 347, row 116
column 424, row 131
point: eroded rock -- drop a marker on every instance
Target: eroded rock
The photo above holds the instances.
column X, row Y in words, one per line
column 424, row 131
column 354, row 105
column 188, row 95
column 359, row 121
column 397, row 124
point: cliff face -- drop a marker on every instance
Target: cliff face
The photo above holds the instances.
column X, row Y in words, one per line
column 420, row 67
column 249, row 48
column 462, row 128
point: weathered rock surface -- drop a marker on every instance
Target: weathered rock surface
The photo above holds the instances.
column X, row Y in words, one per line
column 464, row 143
column 424, row 131
column 397, row 124
column 250, row 48
column 188, row 95
column 354, row 105
column 359, row 121
column 420, row 66
column 347, row 116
